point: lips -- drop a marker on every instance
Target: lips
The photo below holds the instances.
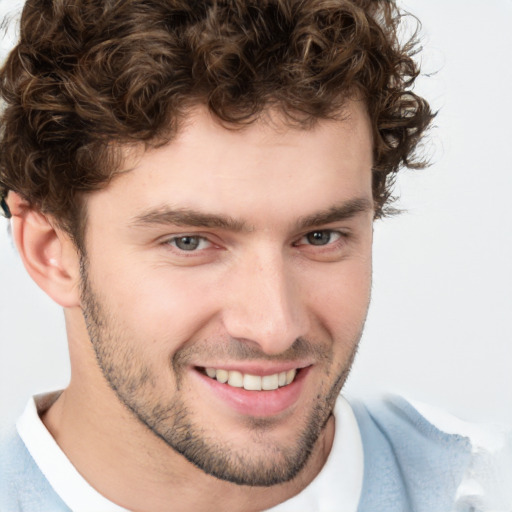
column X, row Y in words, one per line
column 253, row 392
column 251, row 382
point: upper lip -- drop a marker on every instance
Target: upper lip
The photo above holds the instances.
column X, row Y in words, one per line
column 255, row 368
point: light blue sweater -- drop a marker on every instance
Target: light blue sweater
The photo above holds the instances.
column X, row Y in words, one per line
column 410, row 466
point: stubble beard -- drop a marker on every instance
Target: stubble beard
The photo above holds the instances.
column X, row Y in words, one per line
column 134, row 383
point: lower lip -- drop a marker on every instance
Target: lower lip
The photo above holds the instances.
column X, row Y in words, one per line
column 257, row 403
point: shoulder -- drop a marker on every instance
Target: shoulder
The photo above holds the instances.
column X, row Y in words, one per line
column 423, row 459
column 22, row 485
column 410, row 464
column 400, row 421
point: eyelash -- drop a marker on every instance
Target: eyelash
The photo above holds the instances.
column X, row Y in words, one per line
column 331, row 232
column 201, row 240
column 339, row 238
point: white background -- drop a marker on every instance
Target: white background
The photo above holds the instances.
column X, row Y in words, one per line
column 439, row 328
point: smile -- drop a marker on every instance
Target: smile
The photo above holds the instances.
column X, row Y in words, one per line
column 251, row 389
column 250, row 382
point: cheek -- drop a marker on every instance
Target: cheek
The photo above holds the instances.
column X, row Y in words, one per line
column 161, row 306
column 340, row 300
column 166, row 306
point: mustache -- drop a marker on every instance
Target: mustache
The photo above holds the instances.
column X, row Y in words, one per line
column 246, row 350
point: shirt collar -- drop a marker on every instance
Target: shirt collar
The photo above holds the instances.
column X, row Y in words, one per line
column 340, row 480
column 67, row 482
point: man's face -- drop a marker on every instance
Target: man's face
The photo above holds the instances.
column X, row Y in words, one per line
column 238, row 255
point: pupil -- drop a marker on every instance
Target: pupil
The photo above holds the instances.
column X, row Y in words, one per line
column 319, row 237
column 187, row 243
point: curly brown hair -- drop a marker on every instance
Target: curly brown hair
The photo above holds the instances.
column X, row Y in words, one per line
column 90, row 76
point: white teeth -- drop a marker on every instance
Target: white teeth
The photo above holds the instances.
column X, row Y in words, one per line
column 290, row 375
column 236, row 379
column 222, row 376
column 270, row 382
column 252, row 382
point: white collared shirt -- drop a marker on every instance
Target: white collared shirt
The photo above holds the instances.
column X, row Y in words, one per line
column 340, row 480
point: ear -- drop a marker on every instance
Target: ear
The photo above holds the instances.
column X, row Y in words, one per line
column 47, row 252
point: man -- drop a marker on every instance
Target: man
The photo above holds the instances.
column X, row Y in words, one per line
column 195, row 183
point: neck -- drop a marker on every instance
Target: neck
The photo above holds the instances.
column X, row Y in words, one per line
column 129, row 465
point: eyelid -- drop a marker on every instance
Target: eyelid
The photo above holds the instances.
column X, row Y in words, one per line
column 168, row 241
column 341, row 232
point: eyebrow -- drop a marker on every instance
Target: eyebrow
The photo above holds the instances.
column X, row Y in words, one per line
column 186, row 217
column 343, row 211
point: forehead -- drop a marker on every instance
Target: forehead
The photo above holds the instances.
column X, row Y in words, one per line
column 267, row 166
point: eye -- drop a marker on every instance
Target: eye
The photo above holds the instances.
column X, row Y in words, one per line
column 320, row 237
column 189, row 243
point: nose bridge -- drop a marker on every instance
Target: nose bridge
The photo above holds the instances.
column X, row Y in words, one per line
column 265, row 305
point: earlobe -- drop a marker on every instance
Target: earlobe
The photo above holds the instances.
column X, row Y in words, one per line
column 47, row 252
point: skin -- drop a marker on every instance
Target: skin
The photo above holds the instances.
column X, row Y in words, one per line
column 143, row 315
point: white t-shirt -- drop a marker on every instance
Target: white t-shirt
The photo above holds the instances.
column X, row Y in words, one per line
column 340, row 480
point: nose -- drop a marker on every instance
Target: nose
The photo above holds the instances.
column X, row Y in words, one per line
column 264, row 304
